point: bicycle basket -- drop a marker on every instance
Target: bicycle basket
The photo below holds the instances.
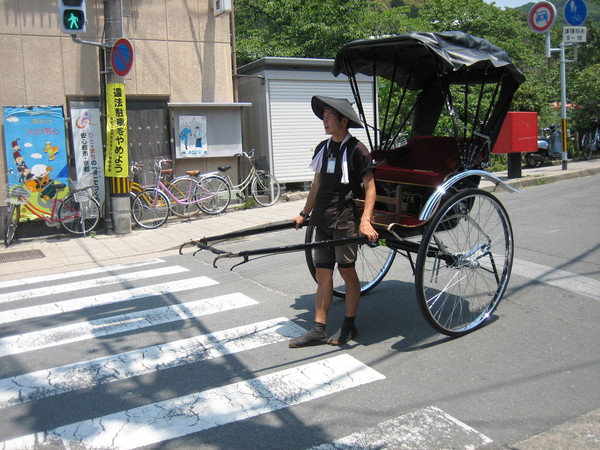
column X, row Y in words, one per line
column 17, row 194
column 82, row 188
column 146, row 178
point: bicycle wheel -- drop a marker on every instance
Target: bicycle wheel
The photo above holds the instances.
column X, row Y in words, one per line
column 12, row 222
column 265, row 189
column 586, row 146
column 78, row 218
column 183, row 189
column 464, row 262
column 150, row 208
column 372, row 264
column 212, row 194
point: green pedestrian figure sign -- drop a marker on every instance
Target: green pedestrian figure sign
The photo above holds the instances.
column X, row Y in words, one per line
column 71, row 15
column 74, row 21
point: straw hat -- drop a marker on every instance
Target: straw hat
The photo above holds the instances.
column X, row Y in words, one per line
column 341, row 105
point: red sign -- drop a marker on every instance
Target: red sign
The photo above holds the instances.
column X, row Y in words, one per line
column 541, row 16
column 121, row 57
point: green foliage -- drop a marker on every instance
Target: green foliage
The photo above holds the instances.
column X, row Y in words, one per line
column 309, row 28
column 319, row 28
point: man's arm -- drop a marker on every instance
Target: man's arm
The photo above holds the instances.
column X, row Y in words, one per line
column 365, row 228
column 310, row 201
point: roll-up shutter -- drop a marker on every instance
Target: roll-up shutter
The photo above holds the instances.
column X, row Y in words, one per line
column 295, row 130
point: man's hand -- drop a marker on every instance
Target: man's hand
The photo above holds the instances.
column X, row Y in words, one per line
column 299, row 221
column 366, row 229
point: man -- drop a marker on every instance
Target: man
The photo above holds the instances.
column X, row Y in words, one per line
column 343, row 171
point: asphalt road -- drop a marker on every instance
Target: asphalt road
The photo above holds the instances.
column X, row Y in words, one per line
column 535, row 367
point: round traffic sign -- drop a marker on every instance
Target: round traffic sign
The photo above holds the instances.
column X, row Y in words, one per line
column 541, row 16
column 575, row 12
column 122, row 57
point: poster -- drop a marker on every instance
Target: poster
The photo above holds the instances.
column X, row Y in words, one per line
column 192, row 136
column 36, row 153
column 87, row 144
column 117, row 153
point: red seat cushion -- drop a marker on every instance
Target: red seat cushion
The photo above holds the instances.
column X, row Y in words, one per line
column 426, row 160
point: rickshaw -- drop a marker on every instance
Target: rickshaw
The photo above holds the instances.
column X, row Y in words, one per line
column 441, row 101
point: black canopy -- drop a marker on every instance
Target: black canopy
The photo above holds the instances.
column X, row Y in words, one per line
column 431, row 63
column 418, row 58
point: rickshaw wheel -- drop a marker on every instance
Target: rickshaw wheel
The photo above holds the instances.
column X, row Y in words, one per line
column 373, row 263
column 464, row 262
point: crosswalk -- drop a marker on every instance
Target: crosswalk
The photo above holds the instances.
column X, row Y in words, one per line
column 68, row 335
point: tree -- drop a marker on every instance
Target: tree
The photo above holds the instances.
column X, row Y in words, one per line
column 319, row 28
column 310, row 28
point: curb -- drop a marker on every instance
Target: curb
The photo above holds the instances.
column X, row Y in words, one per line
column 541, row 179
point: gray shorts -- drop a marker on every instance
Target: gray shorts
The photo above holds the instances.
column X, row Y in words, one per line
column 343, row 255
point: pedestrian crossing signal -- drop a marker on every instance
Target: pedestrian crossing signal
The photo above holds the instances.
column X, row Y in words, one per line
column 71, row 16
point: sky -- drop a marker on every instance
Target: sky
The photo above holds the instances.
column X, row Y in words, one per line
column 509, row 3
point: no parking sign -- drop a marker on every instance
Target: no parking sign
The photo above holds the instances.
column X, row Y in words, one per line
column 541, row 17
column 122, row 57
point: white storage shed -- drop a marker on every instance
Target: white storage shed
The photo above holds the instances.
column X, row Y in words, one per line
column 280, row 126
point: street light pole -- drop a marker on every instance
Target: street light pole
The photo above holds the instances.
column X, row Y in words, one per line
column 563, row 103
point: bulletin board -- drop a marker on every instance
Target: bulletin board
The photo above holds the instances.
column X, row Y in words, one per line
column 207, row 130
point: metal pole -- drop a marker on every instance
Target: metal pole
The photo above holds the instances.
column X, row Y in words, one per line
column 563, row 101
column 113, row 28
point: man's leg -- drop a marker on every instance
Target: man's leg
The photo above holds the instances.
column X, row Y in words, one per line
column 324, row 294
column 348, row 330
column 324, row 297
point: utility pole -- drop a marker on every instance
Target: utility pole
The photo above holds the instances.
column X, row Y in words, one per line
column 120, row 208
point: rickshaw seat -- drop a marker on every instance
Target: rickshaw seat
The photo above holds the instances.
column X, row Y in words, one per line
column 425, row 161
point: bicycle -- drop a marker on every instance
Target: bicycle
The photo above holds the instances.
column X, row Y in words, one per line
column 264, row 187
column 589, row 143
column 142, row 179
column 78, row 213
column 152, row 206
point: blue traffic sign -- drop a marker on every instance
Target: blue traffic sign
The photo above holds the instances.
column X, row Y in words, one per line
column 122, row 57
column 575, row 12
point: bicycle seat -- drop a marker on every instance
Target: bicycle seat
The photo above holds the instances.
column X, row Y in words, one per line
column 59, row 186
column 223, row 168
column 166, row 171
column 193, row 173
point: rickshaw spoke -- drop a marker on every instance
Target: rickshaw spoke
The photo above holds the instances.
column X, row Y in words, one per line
column 463, row 266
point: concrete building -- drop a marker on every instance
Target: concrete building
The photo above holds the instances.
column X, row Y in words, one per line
column 281, row 125
column 182, row 55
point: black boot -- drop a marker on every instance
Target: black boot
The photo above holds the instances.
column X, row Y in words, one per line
column 316, row 336
column 346, row 332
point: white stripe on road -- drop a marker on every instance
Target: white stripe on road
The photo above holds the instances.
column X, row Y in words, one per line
column 87, row 284
column 108, row 298
column 36, row 340
column 77, row 273
column 86, row 374
column 158, row 422
column 568, row 281
column 427, row 428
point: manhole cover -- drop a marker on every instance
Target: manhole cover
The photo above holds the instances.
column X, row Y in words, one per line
column 21, row 256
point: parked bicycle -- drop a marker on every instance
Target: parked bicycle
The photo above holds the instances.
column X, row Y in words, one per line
column 590, row 143
column 78, row 213
column 142, row 178
column 264, row 187
column 152, row 206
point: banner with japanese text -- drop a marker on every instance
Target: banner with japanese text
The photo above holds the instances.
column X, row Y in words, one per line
column 87, row 143
column 36, row 155
column 117, row 154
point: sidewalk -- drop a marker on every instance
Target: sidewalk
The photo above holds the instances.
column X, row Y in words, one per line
column 52, row 254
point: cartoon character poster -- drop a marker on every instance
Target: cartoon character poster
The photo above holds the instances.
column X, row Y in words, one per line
column 192, row 136
column 36, row 153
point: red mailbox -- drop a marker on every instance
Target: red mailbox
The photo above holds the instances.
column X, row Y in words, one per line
column 518, row 134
